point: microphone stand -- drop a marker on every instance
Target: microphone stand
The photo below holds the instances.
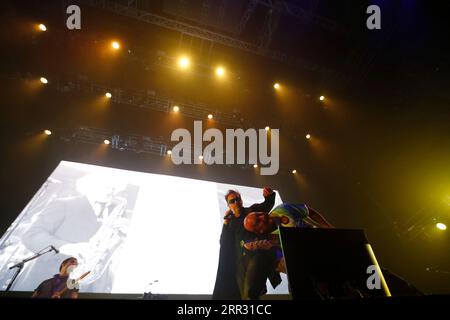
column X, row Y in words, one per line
column 19, row 266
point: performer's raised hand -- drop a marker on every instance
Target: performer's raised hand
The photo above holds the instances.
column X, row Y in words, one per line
column 267, row 191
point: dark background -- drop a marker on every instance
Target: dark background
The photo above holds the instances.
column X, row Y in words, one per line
column 379, row 154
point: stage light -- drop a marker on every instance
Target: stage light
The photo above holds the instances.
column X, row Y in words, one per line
column 267, row 128
column 308, row 136
column 176, row 108
column 106, row 141
column 115, row 45
column 169, row 152
column 220, row 71
column 183, row 62
column 322, row 98
column 43, row 80
column 255, row 166
column 210, row 116
column 441, row 226
column 108, row 95
column 294, row 171
column 42, row 27
column 200, row 157
column 276, row 86
column 47, row 132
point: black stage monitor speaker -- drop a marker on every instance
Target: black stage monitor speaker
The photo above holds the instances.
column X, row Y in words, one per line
column 331, row 263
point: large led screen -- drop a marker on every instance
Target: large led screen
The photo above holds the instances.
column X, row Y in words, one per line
column 136, row 232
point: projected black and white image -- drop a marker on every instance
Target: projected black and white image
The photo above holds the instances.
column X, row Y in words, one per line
column 129, row 229
column 83, row 212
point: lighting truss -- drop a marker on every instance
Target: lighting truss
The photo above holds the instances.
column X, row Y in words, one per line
column 150, row 100
column 121, row 142
column 132, row 11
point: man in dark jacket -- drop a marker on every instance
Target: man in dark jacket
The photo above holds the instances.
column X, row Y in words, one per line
column 234, row 259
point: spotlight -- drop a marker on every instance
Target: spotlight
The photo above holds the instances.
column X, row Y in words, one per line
column 183, row 62
column 200, row 157
column 322, row 98
column 169, row 152
column 42, row 27
column 210, row 116
column 441, row 226
column 108, row 95
column 220, row 71
column 308, row 136
column 294, row 171
column 106, row 141
column 276, row 86
column 176, row 108
column 47, row 132
column 115, row 45
column 43, row 80
column 255, row 166
column 267, row 128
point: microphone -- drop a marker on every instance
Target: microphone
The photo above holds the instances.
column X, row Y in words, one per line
column 229, row 215
column 54, row 249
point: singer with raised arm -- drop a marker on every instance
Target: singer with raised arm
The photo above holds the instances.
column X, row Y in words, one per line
column 232, row 265
column 56, row 287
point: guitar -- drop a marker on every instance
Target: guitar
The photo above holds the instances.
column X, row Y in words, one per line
column 264, row 244
column 72, row 283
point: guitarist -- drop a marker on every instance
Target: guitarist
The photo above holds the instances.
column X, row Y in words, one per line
column 56, row 287
column 265, row 227
column 265, row 240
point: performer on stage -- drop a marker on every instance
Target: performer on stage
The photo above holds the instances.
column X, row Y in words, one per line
column 266, row 233
column 56, row 287
column 233, row 261
column 265, row 228
column 91, row 227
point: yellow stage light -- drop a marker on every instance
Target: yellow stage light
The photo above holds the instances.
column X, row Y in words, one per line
column 441, row 226
column 115, row 45
column 183, row 62
column 220, row 71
